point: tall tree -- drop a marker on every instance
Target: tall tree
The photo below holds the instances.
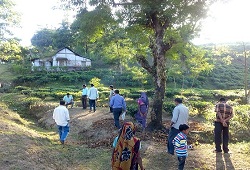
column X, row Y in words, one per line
column 90, row 26
column 163, row 24
column 43, row 38
column 62, row 36
column 8, row 18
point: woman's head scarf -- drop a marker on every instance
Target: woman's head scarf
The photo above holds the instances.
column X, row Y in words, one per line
column 124, row 155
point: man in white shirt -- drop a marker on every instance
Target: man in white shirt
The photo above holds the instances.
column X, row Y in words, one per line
column 92, row 96
column 68, row 100
column 61, row 117
column 180, row 116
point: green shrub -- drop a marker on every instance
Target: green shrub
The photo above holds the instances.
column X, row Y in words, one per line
column 168, row 106
column 103, row 95
column 132, row 109
column 20, row 88
column 96, row 81
column 170, row 93
column 133, row 95
column 26, row 92
column 200, row 107
column 241, row 119
column 30, row 100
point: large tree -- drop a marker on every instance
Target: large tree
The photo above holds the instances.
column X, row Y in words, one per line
column 47, row 41
column 8, row 18
column 158, row 28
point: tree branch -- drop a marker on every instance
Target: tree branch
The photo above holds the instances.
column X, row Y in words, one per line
column 167, row 46
column 144, row 63
column 166, row 24
column 124, row 3
column 155, row 21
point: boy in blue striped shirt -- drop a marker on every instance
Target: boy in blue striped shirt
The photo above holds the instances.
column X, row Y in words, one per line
column 181, row 147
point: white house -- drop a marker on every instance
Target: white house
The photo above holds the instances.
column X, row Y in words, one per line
column 63, row 58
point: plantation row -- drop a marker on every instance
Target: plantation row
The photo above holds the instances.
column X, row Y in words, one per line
column 73, row 78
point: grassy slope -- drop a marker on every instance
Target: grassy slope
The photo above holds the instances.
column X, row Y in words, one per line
column 25, row 146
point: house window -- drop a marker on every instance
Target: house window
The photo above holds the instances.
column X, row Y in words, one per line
column 41, row 63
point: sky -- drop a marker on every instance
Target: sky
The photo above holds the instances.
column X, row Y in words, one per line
column 227, row 22
column 38, row 14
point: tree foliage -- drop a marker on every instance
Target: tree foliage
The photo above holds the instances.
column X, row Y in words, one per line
column 47, row 41
column 10, row 50
column 8, row 18
column 43, row 38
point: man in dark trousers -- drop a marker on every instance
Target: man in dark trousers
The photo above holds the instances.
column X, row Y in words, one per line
column 180, row 116
column 93, row 96
column 117, row 103
column 224, row 113
column 84, row 96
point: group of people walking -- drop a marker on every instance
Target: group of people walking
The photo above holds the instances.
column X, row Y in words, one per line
column 126, row 153
column 92, row 95
column 87, row 93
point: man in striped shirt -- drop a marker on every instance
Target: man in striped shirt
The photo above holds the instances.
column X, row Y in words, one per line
column 180, row 143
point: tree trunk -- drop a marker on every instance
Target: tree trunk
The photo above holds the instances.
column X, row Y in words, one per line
column 183, row 78
column 159, row 78
column 160, row 85
column 192, row 85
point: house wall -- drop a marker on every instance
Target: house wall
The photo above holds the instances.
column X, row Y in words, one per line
column 72, row 60
column 47, row 64
column 88, row 62
column 36, row 63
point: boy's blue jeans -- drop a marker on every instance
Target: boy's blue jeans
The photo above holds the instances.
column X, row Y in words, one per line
column 181, row 160
column 63, row 132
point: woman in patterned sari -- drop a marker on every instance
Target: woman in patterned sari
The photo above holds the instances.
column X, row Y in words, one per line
column 141, row 115
column 126, row 154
